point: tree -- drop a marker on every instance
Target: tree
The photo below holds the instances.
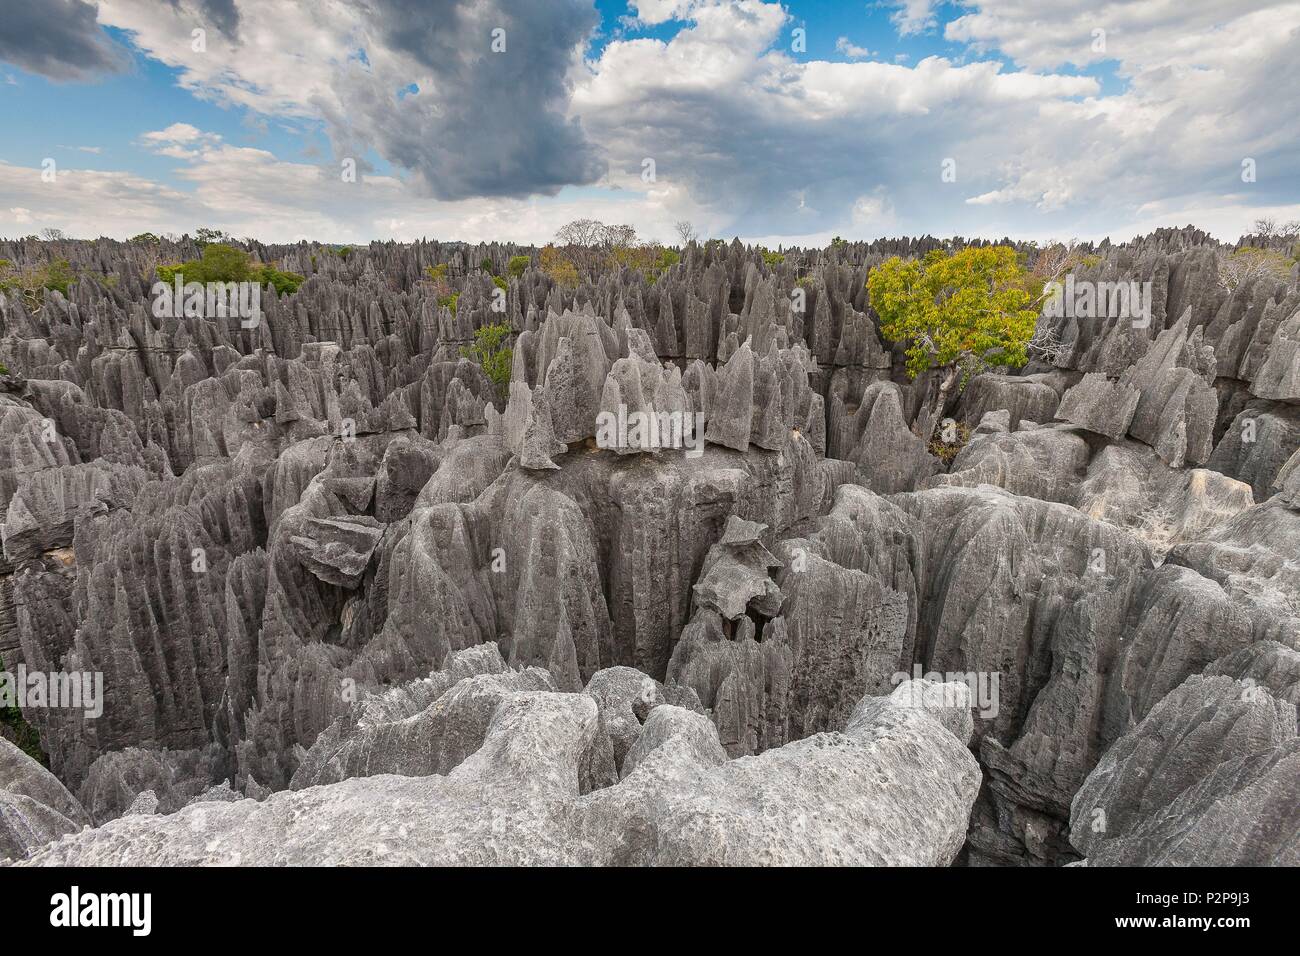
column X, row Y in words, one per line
column 32, row 282
column 957, row 314
column 1251, row 262
column 492, row 351
column 145, row 237
column 223, row 263
column 559, row 267
column 581, row 232
column 685, row 231
column 1269, row 229
column 50, row 234
column 204, row 235
column 592, row 246
column 517, row 265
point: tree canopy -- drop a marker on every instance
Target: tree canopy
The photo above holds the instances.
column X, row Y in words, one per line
column 972, row 307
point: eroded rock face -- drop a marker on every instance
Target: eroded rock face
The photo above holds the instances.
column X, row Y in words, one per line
column 331, row 555
column 1228, row 757
column 35, row 808
column 893, row 788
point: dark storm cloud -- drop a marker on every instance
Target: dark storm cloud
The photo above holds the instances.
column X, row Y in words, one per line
column 57, row 39
column 489, row 123
column 222, row 14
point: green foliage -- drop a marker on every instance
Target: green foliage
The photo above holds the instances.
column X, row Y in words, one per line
column 773, row 259
column 148, row 237
column 223, row 263
column 32, row 282
column 492, row 351
column 436, row 272
column 282, row 282
column 667, row 258
column 59, row 275
column 203, row 235
column 500, row 283
column 486, row 265
column 517, row 265
column 969, row 308
column 23, row 735
column 344, row 252
column 449, row 300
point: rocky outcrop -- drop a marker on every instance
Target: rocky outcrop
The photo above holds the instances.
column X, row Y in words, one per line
column 35, row 808
column 893, row 788
column 1228, row 757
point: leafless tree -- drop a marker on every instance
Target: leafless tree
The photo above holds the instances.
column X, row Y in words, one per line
column 1268, row 229
column 590, row 244
column 1250, row 263
column 685, row 231
column 1046, row 344
column 581, row 232
column 50, row 234
column 1055, row 260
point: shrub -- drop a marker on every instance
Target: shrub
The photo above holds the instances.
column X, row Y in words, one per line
column 1251, row 262
column 517, row 265
column 945, row 446
column 492, row 351
column 32, row 282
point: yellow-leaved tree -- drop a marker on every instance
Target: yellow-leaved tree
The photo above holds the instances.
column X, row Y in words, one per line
column 956, row 313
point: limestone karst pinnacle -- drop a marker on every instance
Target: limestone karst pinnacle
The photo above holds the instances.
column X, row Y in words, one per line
column 328, row 567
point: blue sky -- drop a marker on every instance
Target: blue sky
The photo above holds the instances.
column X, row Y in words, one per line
column 1048, row 135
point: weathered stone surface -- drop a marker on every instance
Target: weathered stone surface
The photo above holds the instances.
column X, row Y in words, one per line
column 1225, row 793
column 331, row 549
column 1100, row 405
column 894, row 788
column 34, row 807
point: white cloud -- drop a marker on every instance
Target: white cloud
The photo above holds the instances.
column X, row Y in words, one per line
column 914, row 16
column 745, row 138
column 852, row 50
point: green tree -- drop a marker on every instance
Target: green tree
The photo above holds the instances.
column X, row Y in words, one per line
column 493, row 352
column 203, row 235
column 147, row 237
column 517, row 265
column 955, row 313
column 222, row 263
